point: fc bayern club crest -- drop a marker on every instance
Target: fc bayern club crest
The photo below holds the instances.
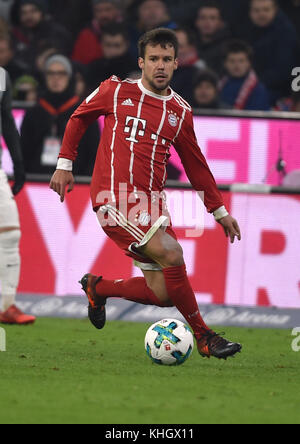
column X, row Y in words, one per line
column 173, row 120
column 143, row 218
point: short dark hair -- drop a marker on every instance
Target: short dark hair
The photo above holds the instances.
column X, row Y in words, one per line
column 237, row 46
column 207, row 76
column 210, row 4
column 114, row 29
column 160, row 36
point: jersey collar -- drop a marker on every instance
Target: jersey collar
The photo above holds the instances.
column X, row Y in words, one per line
column 152, row 94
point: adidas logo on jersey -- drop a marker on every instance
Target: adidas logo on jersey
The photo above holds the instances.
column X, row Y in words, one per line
column 128, row 102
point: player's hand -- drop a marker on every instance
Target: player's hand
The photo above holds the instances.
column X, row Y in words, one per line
column 60, row 180
column 231, row 228
column 20, row 177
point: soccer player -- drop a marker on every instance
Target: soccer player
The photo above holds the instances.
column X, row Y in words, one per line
column 143, row 119
column 9, row 218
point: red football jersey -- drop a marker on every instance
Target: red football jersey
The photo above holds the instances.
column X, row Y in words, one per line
column 140, row 128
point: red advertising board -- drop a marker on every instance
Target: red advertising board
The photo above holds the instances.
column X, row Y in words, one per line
column 61, row 242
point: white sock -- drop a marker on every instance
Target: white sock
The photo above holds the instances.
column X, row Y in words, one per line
column 9, row 266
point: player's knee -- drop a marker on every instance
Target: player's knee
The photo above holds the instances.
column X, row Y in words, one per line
column 172, row 257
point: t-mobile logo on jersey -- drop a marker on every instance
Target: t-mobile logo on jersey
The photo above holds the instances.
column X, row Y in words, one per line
column 138, row 128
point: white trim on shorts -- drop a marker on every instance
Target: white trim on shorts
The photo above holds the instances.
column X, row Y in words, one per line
column 137, row 233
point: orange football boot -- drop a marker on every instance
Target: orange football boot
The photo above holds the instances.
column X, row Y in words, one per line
column 212, row 344
column 13, row 315
column 96, row 308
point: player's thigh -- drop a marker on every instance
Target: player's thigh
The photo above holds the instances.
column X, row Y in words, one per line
column 164, row 249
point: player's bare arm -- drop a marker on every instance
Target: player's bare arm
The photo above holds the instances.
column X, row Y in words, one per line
column 60, row 180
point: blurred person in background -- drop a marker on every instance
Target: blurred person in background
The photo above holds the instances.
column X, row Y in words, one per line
column 36, row 32
column 44, row 125
column 212, row 34
column 116, row 58
column 148, row 15
column 206, row 92
column 10, row 231
column 88, row 47
column 189, row 64
column 26, row 90
column 38, row 69
column 275, row 44
column 240, row 87
column 8, row 61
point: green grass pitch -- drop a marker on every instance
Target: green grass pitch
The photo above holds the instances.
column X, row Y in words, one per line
column 65, row 371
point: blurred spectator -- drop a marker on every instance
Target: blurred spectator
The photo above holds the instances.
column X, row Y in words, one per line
column 44, row 125
column 206, row 93
column 189, row 65
column 212, row 34
column 241, row 88
column 36, row 32
column 275, row 43
column 88, row 44
column 26, row 89
column 72, row 14
column 7, row 59
column 80, row 71
column 116, row 58
column 5, row 7
column 292, row 9
column 43, row 54
column 150, row 14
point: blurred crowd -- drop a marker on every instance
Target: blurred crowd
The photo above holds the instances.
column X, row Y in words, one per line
column 233, row 54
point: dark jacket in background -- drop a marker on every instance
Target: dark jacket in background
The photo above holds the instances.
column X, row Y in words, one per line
column 293, row 13
column 39, row 125
column 259, row 99
column 183, row 81
column 103, row 69
column 48, row 34
column 213, row 52
column 275, row 53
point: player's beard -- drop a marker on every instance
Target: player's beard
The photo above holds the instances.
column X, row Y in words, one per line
column 160, row 86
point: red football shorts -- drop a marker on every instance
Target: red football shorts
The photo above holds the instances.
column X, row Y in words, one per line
column 131, row 226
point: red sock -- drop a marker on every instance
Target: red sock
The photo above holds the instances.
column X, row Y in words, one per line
column 181, row 294
column 135, row 289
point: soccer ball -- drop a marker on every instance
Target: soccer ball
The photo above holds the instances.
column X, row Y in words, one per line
column 169, row 342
